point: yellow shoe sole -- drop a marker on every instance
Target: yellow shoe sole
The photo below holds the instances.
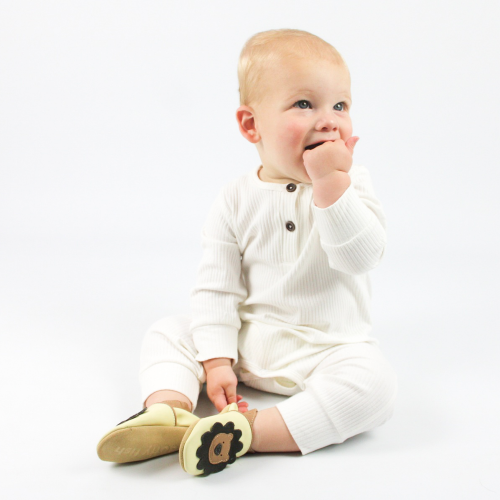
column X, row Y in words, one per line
column 133, row 444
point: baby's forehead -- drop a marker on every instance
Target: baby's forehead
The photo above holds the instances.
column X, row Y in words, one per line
column 305, row 76
column 305, row 66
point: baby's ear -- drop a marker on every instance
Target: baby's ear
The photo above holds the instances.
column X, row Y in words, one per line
column 246, row 122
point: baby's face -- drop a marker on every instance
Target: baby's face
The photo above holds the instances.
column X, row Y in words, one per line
column 305, row 102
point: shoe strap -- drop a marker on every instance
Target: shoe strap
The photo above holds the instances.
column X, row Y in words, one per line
column 250, row 416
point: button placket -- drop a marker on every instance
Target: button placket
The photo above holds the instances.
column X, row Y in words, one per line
column 290, row 226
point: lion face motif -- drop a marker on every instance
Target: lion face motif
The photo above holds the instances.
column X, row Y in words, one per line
column 218, row 447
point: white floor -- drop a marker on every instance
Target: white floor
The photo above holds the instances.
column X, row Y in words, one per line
column 72, row 321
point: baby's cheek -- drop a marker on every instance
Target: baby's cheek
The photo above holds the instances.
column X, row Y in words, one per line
column 346, row 129
column 291, row 134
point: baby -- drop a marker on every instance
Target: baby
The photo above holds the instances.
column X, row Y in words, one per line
column 282, row 299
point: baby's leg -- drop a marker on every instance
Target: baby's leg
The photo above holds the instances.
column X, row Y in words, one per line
column 169, row 373
column 168, row 368
column 349, row 392
column 270, row 432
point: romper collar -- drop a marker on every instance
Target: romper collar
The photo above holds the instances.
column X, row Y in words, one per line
column 274, row 186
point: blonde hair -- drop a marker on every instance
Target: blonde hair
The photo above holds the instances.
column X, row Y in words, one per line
column 266, row 48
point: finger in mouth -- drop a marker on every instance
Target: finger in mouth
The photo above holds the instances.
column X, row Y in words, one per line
column 312, row 146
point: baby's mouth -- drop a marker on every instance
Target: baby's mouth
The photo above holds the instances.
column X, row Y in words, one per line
column 312, row 146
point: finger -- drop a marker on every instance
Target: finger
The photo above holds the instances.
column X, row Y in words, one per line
column 230, row 394
column 350, row 143
column 239, row 397
column 219, row 401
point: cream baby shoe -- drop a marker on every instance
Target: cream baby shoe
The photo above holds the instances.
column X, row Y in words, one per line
column 213, row 442
column 154, row 431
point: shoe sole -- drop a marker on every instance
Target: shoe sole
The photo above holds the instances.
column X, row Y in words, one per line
column 183, row 441
column 205, row 425
column 133, row 444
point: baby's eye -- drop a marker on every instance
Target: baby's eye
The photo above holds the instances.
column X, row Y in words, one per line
column 301, row 101
column 343, row 104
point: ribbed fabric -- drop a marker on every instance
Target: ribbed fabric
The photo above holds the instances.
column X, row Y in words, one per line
column 270, row 298
column 289, row 307
column 340, row 392
column 353, row 390
column 167, row 360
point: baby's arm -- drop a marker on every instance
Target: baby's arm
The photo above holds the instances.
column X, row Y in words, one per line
column 350, row 220
column 214, row 305
column 353, row 229
column 215, row 321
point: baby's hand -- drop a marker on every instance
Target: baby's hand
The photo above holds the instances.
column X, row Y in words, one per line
column 329, row 157
column 221, row 388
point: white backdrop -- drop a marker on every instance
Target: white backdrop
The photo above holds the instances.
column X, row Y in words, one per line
column 117, row 130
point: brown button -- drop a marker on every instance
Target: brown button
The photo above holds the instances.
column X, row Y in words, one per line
column 290, row 226
column 291, row 187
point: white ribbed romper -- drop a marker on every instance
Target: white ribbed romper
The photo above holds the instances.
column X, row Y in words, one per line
column 283, row 290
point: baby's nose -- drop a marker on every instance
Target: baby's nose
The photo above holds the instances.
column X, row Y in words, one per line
column 327, row 123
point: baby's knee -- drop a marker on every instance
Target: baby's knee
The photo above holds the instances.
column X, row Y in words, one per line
column 376, row 394
column 175, row 324
column 170, row 332
column 385, row 389
column 370, row 390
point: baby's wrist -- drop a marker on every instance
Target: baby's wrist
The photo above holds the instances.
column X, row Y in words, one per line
column 328, row 189
column 210, row 364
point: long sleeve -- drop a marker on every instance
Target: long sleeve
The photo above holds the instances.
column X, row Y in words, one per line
column 219, row 288
column 353, row 229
